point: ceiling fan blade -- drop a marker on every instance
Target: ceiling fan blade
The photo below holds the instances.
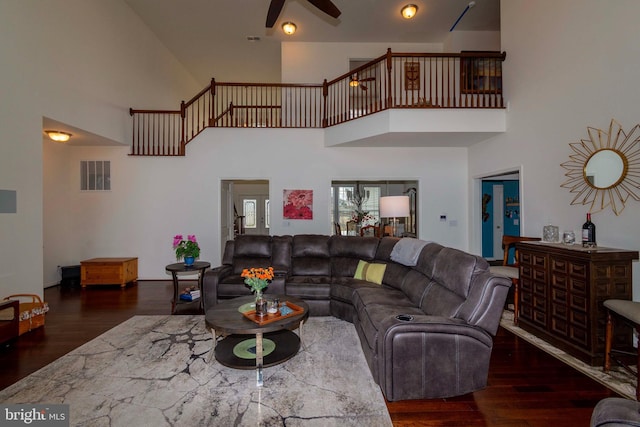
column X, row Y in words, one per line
column 363, row 87
column 274, row 11
column 368, row 79
column 327, row 7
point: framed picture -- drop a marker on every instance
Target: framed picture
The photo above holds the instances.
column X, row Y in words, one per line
column 480, row 75
column 297, row 204
column 411, row 76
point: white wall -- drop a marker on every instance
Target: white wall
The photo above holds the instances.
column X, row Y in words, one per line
column 314, row 62
column 81, row 62
column 561, row 76
column 152, row 199
column 570, row 64
column 472, row 40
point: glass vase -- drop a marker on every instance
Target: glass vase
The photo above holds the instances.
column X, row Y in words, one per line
column 261, row 304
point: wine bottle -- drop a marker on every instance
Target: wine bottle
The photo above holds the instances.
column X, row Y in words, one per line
column 588, row 233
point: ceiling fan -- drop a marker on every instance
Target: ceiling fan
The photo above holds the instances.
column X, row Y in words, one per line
column 276, row 7
column 357, row 82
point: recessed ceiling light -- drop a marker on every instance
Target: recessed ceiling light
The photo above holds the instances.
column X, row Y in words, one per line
column 409, row 11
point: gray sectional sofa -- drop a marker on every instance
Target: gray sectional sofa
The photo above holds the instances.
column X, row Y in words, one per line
column 426, row 330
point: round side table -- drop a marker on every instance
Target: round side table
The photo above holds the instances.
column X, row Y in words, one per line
column 179, row 268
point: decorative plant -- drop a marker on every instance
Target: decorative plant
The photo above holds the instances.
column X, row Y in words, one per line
column 186, row 248
column 357, row 200
column 257, row 279
column 360, row 216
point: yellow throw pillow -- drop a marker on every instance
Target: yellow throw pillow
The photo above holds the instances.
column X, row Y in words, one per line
column 371, row 272
column 360, row 269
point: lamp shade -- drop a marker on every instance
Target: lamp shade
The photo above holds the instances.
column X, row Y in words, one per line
column 394, row 206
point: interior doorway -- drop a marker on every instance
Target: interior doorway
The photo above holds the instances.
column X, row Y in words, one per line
column 500, row 211
column 349, row 196
column 244, row 208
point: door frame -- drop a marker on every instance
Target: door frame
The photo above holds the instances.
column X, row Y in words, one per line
column 498, row 220
column 475, row 221
column 228, row 194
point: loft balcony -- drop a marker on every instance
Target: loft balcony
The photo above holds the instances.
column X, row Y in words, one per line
column 399, row 99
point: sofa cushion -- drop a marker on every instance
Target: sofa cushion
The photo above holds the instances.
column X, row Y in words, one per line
column 407, row 251
column 311, row 266
column 452, row 274
column 309, row 287
column 233, row 286
column 251, row 251
column 310, row 245
column 346, row 251
column 395, row 275
column 310, row 255
column 227, row 256
column 455, row 268
column 281, row 253
column 353, row 247
column 240, row 263
column 342, row 287
column 427, row 259
column 380, row 295
column 372, row 305
column 415, row 286
column 440, row 301
column 385, row 247
column 252, row 246
column 343, row 266
column 371, row 272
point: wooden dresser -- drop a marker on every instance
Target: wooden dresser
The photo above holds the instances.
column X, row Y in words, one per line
column 562, row 289
column 108, row 271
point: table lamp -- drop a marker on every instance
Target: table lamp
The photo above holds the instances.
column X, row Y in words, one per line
column 394, row 207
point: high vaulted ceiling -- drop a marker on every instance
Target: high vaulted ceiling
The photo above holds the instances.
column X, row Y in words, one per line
column 209, row 37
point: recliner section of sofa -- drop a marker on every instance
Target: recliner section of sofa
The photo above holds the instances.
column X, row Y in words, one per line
column 246, row 251
column 451, row 300
column 310, row 275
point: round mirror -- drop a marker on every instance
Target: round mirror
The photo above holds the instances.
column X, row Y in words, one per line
column 599, row 172
column 605, row 168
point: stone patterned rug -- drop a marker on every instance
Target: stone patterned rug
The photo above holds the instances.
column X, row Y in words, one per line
column 153, row 370
column 617, row 379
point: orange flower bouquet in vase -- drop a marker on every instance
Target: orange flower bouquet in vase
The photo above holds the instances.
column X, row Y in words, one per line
column 258, row 279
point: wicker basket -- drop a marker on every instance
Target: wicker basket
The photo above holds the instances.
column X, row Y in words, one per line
column 31, row 312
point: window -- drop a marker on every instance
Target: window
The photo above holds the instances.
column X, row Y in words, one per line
column 346, row 201
column 267, row 214
column 95, row 175
column 250, row 214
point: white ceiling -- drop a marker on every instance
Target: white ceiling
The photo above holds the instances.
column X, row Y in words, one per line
column 209, row 37
column 79, row 137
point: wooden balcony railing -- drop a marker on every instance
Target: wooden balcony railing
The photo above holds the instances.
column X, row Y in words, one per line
column 394, row 80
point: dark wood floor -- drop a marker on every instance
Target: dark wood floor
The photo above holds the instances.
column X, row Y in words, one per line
column 526, row 387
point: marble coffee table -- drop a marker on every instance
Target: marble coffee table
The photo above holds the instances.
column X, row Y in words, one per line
column 232, row 330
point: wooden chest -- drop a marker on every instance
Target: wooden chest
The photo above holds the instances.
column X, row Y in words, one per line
column 108, row 271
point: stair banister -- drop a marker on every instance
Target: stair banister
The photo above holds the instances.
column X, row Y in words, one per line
column 445, row 80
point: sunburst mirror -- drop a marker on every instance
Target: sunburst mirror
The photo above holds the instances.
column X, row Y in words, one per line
column 605, row 168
